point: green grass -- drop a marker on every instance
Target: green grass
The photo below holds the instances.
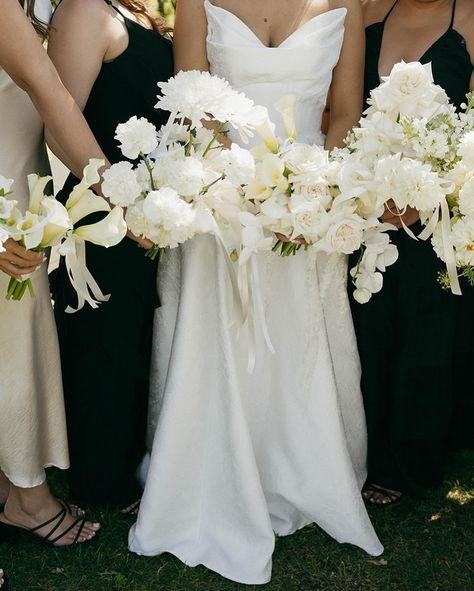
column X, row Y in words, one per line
column 429, row 547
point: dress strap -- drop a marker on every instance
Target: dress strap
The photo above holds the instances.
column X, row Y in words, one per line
column 390, row 11
column 453, row 14
column 109, row 2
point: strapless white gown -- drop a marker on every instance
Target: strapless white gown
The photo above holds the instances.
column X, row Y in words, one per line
column 237, row 457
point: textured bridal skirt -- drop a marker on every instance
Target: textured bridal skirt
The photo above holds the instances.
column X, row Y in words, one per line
column 238, row 457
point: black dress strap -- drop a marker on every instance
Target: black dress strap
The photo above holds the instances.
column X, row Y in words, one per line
column 109, row 2
column 390, row 11
column 453, row 14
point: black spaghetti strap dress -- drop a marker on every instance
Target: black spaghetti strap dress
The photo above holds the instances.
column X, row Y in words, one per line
column 106, row 352
column 409, row 335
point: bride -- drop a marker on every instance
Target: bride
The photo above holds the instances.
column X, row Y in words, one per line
column 238, row 457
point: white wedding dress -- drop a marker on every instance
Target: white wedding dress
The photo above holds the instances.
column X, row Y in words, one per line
column 239, row 456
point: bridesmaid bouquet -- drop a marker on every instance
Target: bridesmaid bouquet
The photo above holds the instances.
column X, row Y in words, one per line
column 48, row 223
column 296, row 199
column 185, row 182
column 409, row 152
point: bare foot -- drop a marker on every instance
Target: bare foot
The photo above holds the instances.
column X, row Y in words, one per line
column 379, row 495
column 53, row 523
column 2, row 578
column 132, row 509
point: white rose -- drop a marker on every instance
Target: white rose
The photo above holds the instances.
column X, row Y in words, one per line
column 120, row 184
column 239, row 165
column 310, row 220
column 136, row 136
column 409, row 90
column 303, row 159
column 344, row 236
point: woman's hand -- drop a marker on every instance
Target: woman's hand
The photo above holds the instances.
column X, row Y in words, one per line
column 283, row 238
column 143, row 242
column 391, row 215
column 17, row 261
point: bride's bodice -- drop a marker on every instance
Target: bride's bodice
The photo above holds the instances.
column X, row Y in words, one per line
column 302, row 64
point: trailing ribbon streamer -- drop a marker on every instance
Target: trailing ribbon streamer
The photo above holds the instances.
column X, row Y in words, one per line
column 82, row 281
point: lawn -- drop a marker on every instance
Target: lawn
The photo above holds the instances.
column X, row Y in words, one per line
column 429, row 547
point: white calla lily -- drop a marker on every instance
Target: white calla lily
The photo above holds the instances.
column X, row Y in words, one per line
column 31, row 229
column 90, row 177
column 267, row 132
column 37, row 185
column 107, row 232
column 272, row 172
column 87, row 204
column 58, row 222
column 286, row 107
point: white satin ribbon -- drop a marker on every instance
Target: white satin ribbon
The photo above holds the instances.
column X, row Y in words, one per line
column 80, row 277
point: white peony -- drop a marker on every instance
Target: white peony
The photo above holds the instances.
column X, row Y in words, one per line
column 120, row 184
column 409, row 90
column 136, row 136
column 239, row 165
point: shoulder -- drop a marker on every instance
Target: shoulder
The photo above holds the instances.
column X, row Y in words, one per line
column 83, row 11
column 374, row 11
column 464, row 23
column 352, row 6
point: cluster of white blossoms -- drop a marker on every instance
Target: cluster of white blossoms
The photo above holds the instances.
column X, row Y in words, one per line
column 47, row 223
column 410, row 150
column 186, row 182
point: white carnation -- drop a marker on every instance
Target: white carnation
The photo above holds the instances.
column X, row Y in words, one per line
column 239, row 165
column 120, row 184
column 188, row 176
column 172, row 218
column 136, row 136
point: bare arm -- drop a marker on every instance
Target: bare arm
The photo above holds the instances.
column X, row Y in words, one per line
column 189, row 37
column 24, row 59
column 346, row 96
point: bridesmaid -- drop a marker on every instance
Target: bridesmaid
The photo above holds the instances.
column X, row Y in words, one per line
column 407, row 335
column 110, row 55
column 32, row 425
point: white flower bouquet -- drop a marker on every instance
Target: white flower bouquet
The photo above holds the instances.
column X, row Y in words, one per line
column 186, row 182
column 296, row 202
column 48, row 223
column 407, row 153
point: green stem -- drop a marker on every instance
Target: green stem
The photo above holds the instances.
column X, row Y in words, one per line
column 220, row 129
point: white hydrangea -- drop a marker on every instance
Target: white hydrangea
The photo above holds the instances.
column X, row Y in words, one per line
column 120, row 184
column 136, row 136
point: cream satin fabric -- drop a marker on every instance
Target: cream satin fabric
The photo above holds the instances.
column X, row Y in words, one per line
column 237, row 457
column 32, row 422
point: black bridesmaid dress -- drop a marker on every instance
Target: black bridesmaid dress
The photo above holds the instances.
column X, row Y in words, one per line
column 106, row 352
column 411, row 334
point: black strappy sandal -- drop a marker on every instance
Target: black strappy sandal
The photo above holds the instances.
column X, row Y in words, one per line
column 48, row 539
column 391, row 496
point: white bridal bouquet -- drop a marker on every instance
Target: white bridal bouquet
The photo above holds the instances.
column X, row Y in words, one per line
column 412, row 150
column 186, row 182
column 48, row 223
column 294, row 201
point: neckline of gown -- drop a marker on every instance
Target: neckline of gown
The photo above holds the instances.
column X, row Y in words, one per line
column 287, row 39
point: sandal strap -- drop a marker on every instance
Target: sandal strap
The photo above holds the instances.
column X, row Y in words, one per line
column 67, row 530
column 61, row 515
column 79, row 531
